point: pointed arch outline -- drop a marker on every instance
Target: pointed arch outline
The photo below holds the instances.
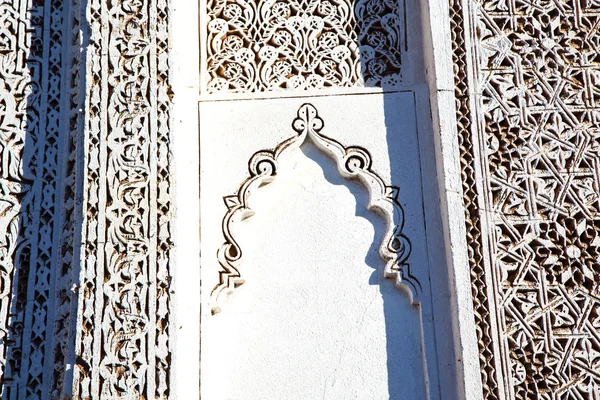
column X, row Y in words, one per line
column 353, row 162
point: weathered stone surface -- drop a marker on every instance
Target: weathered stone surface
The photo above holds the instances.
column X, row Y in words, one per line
column 39, row 80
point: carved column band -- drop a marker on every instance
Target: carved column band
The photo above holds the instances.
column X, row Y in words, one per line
column 123, row 342
column 91, row 137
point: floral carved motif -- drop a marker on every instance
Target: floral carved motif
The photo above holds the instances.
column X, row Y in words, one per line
column 352, row 163
column 255, row 46
column 537, row 121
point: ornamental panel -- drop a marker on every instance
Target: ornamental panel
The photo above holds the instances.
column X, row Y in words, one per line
column 352, row 162
column 258, row 46
column 532, row 137
column 37, row 188
column 123, row 342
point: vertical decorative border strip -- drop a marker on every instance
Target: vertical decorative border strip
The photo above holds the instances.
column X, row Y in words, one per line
column 470, row 197
column 33, row 138
column 163, row 345
column 22, row 147
column 89, row 261
column 41, row 300
column 66, row 228
column 84, row 331
column 122, row 344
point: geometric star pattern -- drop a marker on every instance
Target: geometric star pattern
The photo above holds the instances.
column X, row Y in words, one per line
column 536, row 120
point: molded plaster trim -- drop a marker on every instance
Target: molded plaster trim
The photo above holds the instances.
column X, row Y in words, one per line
column 352, row 163
column 440, row 67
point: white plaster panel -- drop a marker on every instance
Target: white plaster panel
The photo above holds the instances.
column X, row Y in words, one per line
column 185, row 367
column 315, row 317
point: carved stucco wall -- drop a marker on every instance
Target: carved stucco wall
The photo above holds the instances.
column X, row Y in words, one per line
column 122, row 342
column 86, row 245
column 90, row 131
column 300, row 44
column 84, row 199
column 39, row 56
column 527, row 76
column 360, row 64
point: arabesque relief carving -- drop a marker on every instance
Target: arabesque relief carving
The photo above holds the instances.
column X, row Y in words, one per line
column 123, row 339
column 121, row 346
column 352, row 163
column 256, row 46
column 537, row 67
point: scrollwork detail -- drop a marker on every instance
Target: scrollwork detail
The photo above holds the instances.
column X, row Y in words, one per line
column 303, row 44
column 123, row 345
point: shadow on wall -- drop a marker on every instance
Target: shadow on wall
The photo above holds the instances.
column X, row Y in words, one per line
column 392, row 58
column 395, row 298
column 388, row 62
column 38, row 128
column 403, row 361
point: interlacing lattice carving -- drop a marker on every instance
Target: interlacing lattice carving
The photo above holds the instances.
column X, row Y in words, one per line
column 64, row 306
column 17, row 175
column 303, row 44
column 537, row 67
column 123, row 338
column 34, row 317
